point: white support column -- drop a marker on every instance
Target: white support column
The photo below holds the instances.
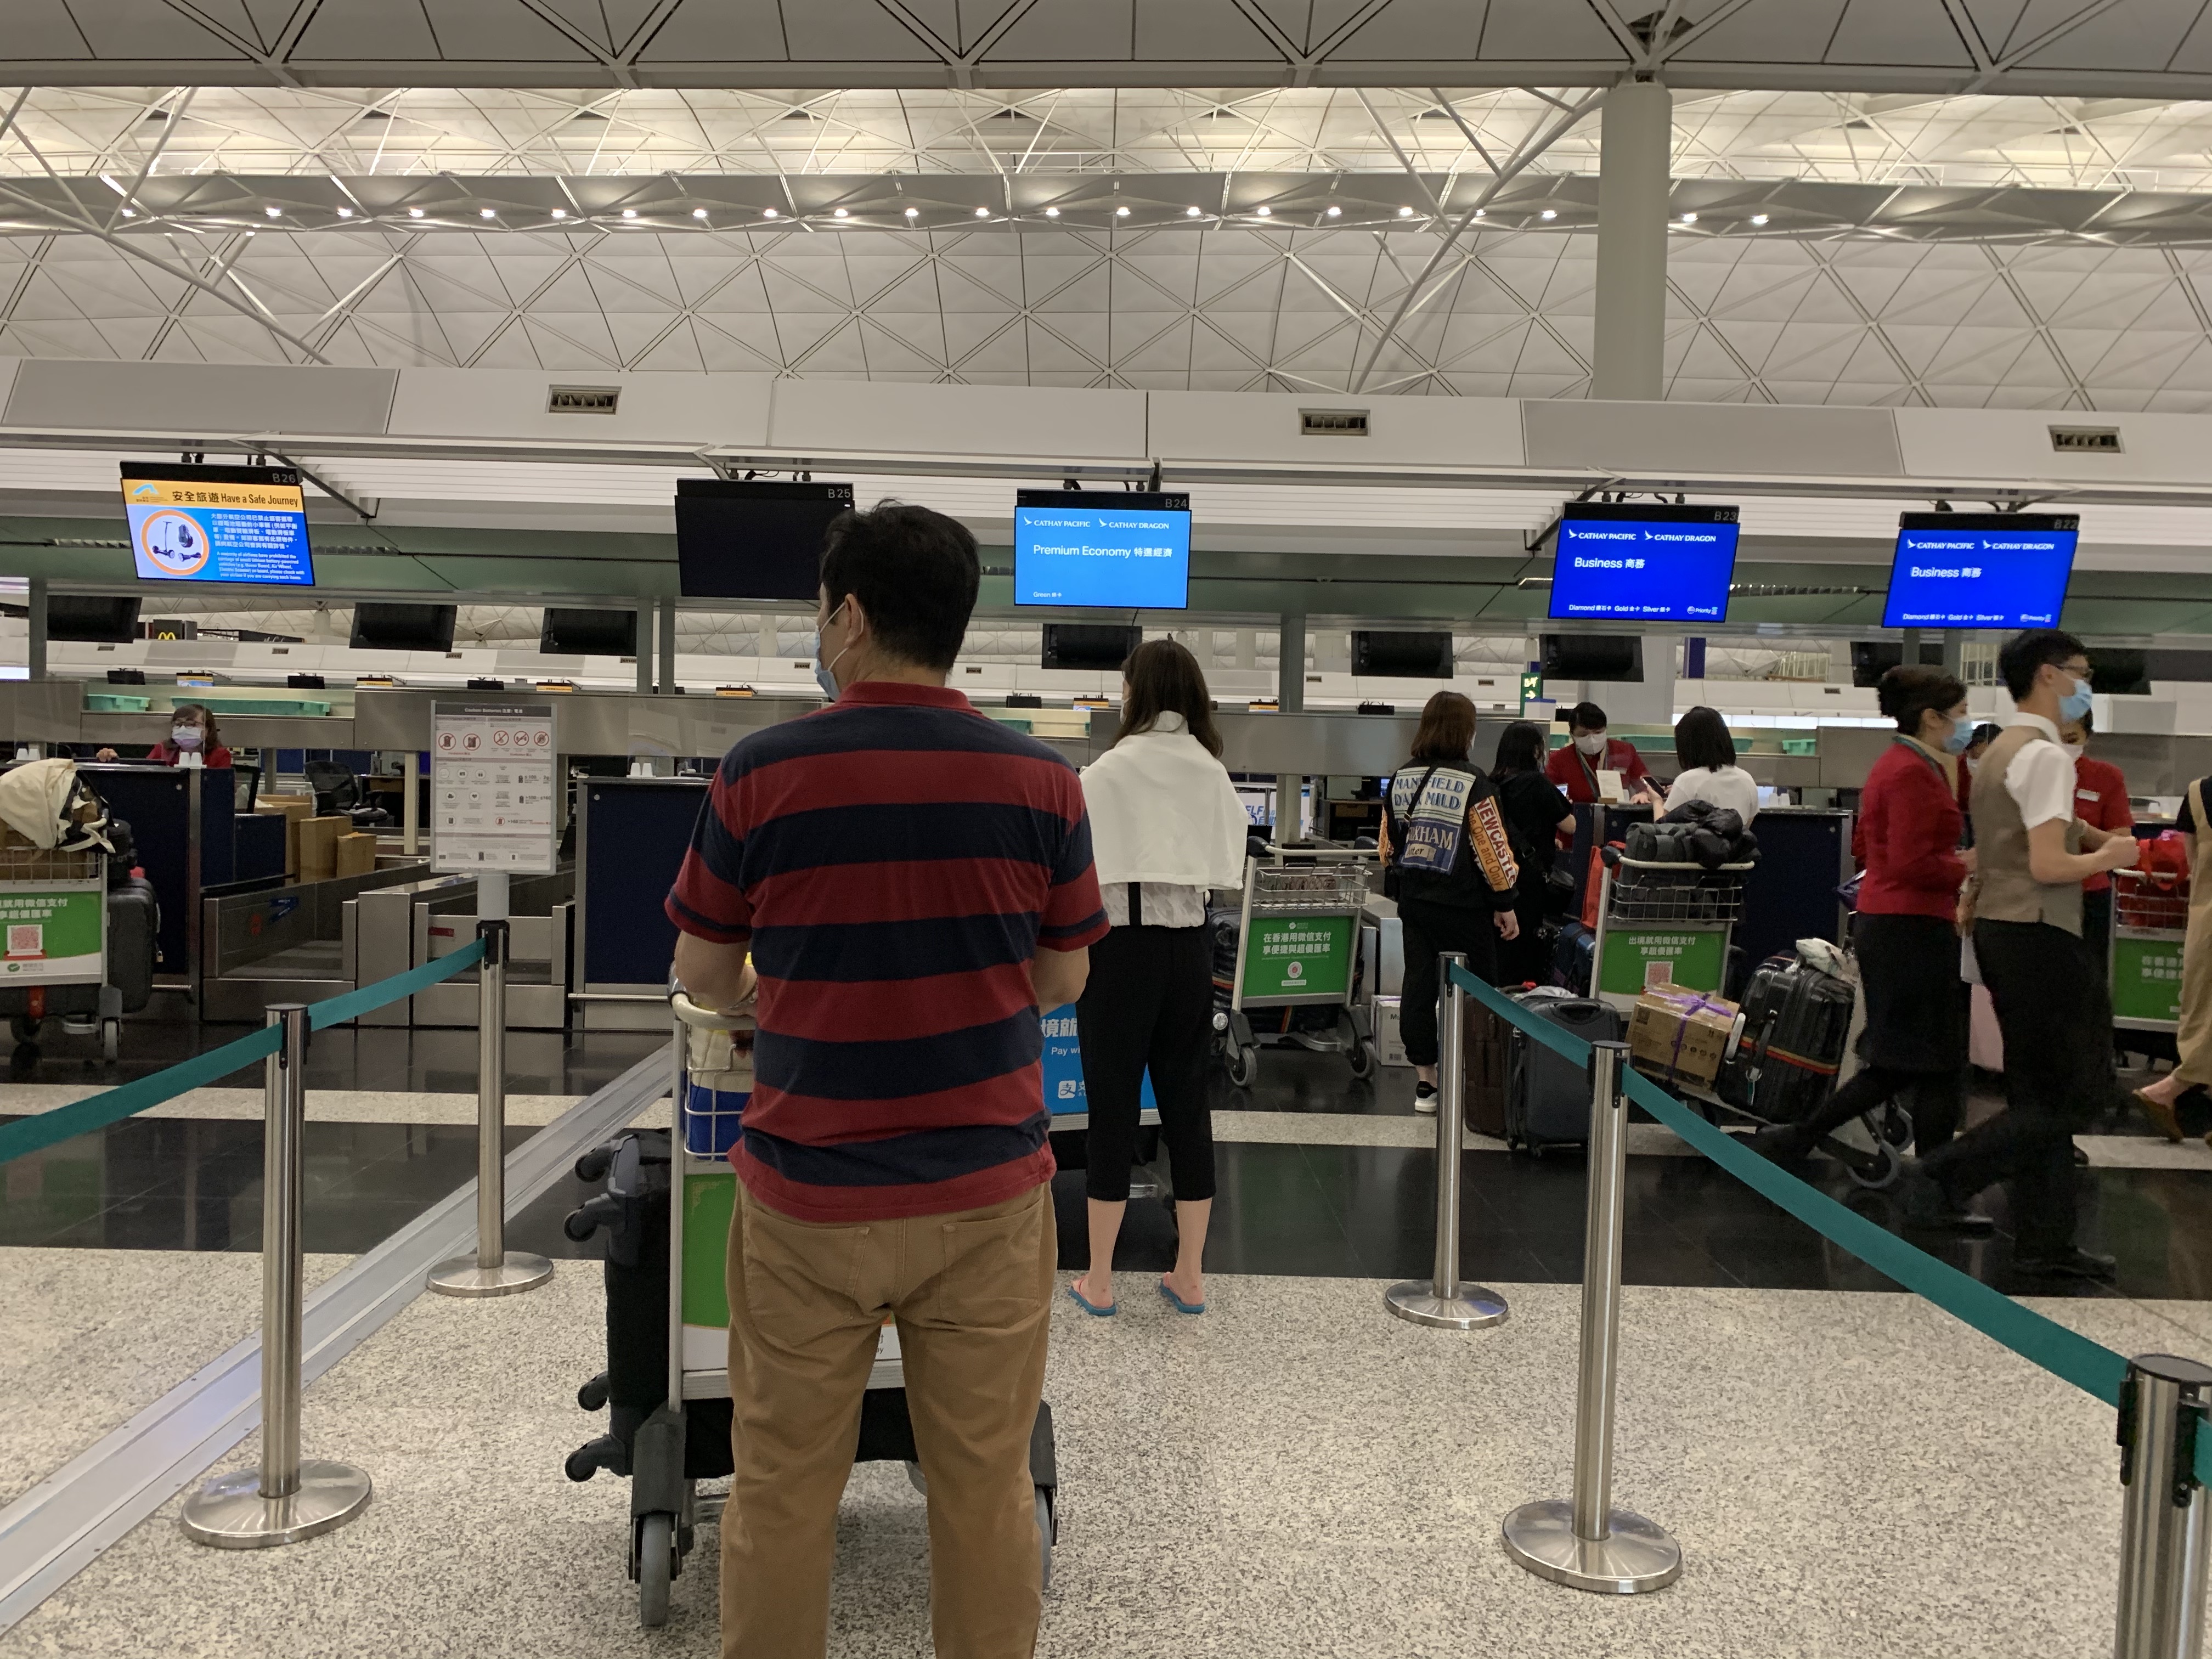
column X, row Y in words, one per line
column 1633, row 155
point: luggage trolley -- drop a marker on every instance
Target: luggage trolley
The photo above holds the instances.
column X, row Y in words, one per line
column 53, row 922
column 1664, row 924
column 713, row 1080
column 2150, row 914
column 1297, row 946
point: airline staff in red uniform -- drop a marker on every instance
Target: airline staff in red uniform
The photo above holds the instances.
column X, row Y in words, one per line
column 1574, row 768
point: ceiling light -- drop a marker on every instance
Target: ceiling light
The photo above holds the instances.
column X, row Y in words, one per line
column 838, row 213
column 1334, row 210
column 560, row 213
column 1120, row 212
column 629, row 213
column 1405, row 213
column 1759, row 218
column 414, row 213
column 1052, row 213
column 1263, row 210
column 698, row 213
column 983, row 213
column 768, row 213
column 486, row 213
column 274, row 212
column 1549, row 213
column 108, row 179
column 914, row 213
column 132, row 213
column 1190, row 213
column 1482, row 213
column 344, row 212
column 1689, row 218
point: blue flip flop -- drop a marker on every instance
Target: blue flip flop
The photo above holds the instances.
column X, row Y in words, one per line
column 1181, row 1306
column 1092, row 1308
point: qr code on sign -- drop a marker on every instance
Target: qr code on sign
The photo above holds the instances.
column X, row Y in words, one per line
column 26, row 940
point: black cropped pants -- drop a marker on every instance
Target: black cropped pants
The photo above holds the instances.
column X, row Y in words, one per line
column 1148, row 1003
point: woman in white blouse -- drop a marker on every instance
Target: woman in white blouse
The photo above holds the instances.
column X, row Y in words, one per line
column 1706, row 755
column 1165, row 827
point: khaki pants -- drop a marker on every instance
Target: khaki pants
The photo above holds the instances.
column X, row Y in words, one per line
column 972, row 1294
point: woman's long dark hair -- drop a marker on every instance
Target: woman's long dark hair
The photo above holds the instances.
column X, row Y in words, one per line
column 1519, row 749
column 1701, row 739
column 1164, row 678
column 1447, row 729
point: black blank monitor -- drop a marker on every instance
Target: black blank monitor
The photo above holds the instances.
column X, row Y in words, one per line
column 1402, row 656
column 1089, row 645
column 588, row 633
column 1608, row 657
column 1872, row 658
column 402, row 628
column 92, row 618
column 754, row 539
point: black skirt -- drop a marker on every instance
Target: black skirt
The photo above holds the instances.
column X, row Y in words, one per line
column 1916, row 1002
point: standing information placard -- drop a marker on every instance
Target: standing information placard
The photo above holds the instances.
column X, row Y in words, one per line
column 492, row 772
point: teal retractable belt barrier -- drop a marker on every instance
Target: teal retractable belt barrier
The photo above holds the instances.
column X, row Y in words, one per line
column 81, row 1117
column 2067, row 1354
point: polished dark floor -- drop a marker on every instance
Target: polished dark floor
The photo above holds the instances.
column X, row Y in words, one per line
column 167, row 1183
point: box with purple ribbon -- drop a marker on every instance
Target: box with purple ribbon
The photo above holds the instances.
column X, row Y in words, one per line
column 1680, row 1034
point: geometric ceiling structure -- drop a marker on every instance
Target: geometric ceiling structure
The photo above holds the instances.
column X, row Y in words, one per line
column 2115, row 48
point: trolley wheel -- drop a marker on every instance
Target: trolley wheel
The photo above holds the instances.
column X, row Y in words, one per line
column 25, row 1028
column 592, row 1396
column 656, row 1568
column 1895, row 1126
column 1048, row 1530
column 1880, row 1169
column 1244, row 1064
column 110, row 1039
column 1364, row 1059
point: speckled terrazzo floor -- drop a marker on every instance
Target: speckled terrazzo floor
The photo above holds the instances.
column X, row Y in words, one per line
column 1295, row 1474
column 93, row 1337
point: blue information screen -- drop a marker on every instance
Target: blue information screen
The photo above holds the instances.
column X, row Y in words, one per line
column 1622, row 563
column 1980, row 569
column 218, row 523
column 1126, row 552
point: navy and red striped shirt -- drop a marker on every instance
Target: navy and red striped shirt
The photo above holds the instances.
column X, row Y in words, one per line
column 894, row 861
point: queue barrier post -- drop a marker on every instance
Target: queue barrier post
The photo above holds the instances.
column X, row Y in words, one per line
column 1584, row 1542
column 2164, row 1402
column 494, row 1270
column 286, row 1498
column 1441, row 1299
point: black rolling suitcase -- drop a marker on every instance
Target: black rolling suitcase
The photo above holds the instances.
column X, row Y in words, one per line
column 1796, row 1020
column 1548, row 1096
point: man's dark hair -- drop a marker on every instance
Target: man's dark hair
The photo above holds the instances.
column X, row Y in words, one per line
column 1701, row 739
column 914, row 572
column 1587, row 716
column 2024, row 654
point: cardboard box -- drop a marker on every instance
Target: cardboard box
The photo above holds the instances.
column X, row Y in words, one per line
column 318, row 846
column 293, row 809
column 1680, row 1034
column 355, row 855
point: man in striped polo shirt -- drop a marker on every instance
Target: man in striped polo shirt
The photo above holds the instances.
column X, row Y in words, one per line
column 911, row 881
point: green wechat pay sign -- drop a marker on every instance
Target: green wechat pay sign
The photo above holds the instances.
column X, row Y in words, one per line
column 1298, row 957
column 1638, row 957
column 50, row 937
column 2147, row 979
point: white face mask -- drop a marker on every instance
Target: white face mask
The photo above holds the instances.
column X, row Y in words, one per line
column 1591, row 743
column 2075, row 746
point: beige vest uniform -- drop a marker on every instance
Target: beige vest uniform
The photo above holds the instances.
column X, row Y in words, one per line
column 2007, row 891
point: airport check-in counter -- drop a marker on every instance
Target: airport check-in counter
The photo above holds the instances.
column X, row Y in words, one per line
column 407, row 924
column 277, row 944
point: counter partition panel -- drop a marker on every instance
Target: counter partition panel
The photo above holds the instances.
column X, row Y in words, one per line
column 631, row 835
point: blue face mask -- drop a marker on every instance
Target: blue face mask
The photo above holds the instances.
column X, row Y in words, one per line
column 823, row 676
column 2075, row 704
column 1962, row 735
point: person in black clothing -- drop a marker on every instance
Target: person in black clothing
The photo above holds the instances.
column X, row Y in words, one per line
column 1536, row 815
column 1446, row 840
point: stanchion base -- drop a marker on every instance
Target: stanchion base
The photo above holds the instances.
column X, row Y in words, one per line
column 230, row 1513
column 521, row 1271
column 1416, row 1300
column 1638, row 1556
